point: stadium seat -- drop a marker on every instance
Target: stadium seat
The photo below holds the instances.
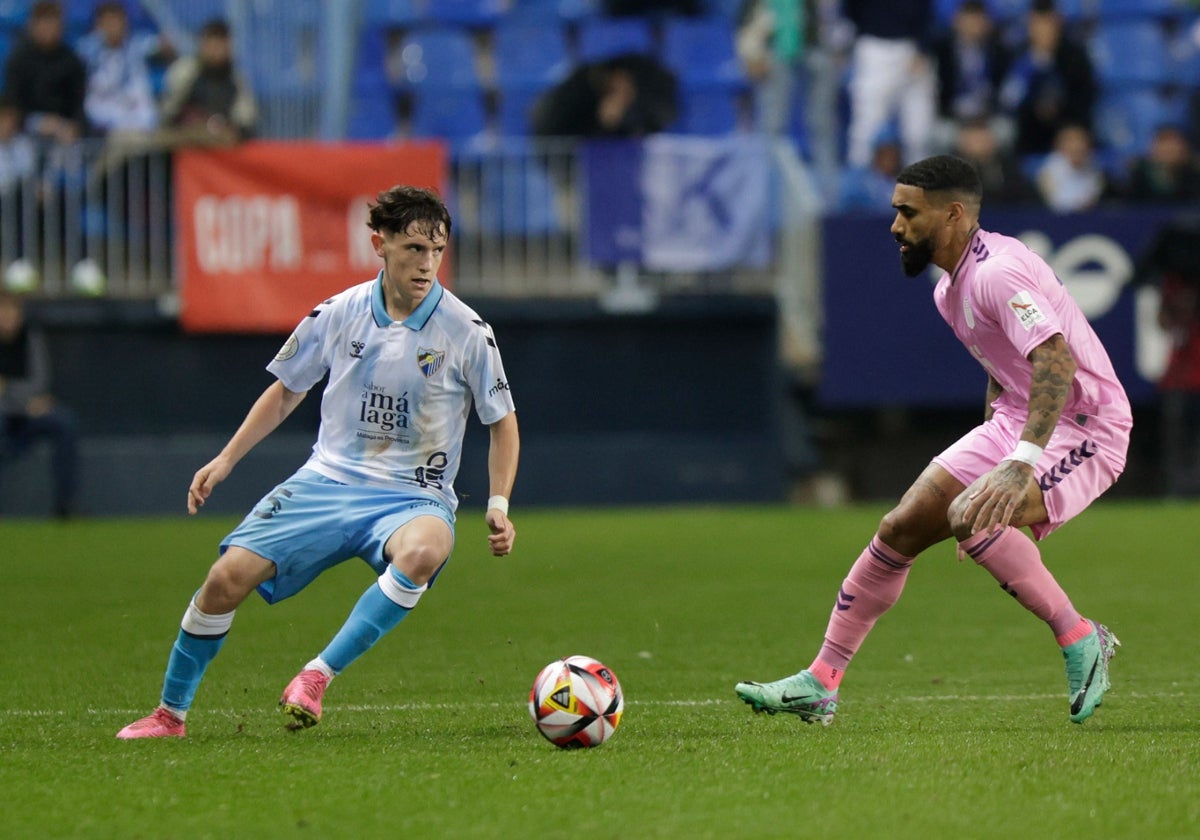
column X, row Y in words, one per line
column 470, row 13
column 1126, row 119
column 1130, row 52
column 438, row 58
column 601, row 38
column 543, row 11
column 701, row 51
column 392, row 14
column 516, row 195
column 371, row 118
column 707, row 111
column 14, row 13
column 1116, row 9
column 514, row 109
column 528, row 55
column 193, row 14
column 455, row 115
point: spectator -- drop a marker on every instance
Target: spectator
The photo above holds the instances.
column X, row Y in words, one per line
column 27, row 411
column 1069, row 179
column 1051, row 82
column 206, row 99
column 999, row 170
column 625, row 96
column 971, row 64
column 1171, row 262
column 18, row 157
column 120, row 95
column 770, row 44
column 891, row 74
column 1168, row 172
column 46, row 79
column 871, row 188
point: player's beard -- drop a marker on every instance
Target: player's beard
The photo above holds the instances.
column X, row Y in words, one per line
column 917, row 258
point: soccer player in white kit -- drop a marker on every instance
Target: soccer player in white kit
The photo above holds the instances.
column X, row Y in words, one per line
column 1054, row 437
column 406, row 360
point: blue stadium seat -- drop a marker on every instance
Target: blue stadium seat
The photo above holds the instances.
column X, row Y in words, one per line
column 389, row 14
column 542, row 11
column 601, row 38
column 193, row 14
column 1130, row 52
column 514, row 109
column 707, row 111
column 471, row 13
column 1115, row 9
column 517, row 197
column 371, row 118
column 701, row 51
column 1126, row 119
column 370, row 61
column 14, row 13
column 529, row 55
column 438, row 58
column 455, row 115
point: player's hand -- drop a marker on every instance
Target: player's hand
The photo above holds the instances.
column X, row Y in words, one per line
column 503, row 533
column 203, row 482
column 997, row 499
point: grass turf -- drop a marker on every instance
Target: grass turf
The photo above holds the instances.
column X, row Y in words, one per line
column 953, row 719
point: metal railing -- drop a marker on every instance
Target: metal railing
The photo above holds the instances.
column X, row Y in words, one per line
column 84, row 221
column 94, row 221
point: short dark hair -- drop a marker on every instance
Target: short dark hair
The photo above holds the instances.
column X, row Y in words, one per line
column 215, row 28
column 397, row 209
column 45, row 9
column 943, row 173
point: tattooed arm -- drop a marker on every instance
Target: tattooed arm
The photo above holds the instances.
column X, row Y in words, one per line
column 1053, row 373
column 1008, row 493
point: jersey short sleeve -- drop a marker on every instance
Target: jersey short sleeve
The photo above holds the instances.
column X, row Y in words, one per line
column 303, row 359
column 1011, row 293
column 485, row 376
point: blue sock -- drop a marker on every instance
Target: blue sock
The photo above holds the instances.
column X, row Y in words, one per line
column 375, row 614
column 189, row 657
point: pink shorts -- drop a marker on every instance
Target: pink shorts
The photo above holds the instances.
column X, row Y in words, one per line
column 1084, row 458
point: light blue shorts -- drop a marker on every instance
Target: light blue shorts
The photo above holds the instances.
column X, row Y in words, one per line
column 311, row 523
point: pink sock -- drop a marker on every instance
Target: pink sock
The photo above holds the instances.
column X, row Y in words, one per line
column 874, row 583
column 1013, row 559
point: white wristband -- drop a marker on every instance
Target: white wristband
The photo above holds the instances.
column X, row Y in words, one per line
column 1027, row 452
column 500, row 503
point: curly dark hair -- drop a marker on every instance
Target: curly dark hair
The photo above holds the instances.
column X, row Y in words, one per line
column 397, row 209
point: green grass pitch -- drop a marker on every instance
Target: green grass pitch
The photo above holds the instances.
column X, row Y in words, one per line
column 953, row 721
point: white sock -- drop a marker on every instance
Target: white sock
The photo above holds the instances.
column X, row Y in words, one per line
column 321, row 665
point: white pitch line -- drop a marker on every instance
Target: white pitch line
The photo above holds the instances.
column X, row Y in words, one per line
column 687, row 704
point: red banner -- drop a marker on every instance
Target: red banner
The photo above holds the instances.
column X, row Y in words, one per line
column 267, row 230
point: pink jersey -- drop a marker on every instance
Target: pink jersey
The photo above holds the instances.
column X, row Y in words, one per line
column 1002, row 301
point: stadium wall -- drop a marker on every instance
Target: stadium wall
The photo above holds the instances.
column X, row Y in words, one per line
column 679, row 404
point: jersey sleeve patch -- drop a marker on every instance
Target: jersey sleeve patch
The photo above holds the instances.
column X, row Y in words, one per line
column 1025, row 310
column 288, row 349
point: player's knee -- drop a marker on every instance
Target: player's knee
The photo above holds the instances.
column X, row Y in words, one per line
column 226, row 586
column 956, row 515
column 419, row 562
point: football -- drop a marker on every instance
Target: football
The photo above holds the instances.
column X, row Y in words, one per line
column 576, row 702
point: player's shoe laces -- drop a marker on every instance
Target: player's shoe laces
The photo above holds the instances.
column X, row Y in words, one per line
column 160, row 724
column 800, row 694
column 302, row 698
column 1087, row 670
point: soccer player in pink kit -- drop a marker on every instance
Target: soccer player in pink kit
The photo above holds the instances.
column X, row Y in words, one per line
column 1054, row 437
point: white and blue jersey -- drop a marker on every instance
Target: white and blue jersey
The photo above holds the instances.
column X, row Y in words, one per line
column 394, row 412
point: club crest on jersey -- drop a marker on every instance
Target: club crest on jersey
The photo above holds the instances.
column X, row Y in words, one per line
column 430, row 361
column 1026, row 310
